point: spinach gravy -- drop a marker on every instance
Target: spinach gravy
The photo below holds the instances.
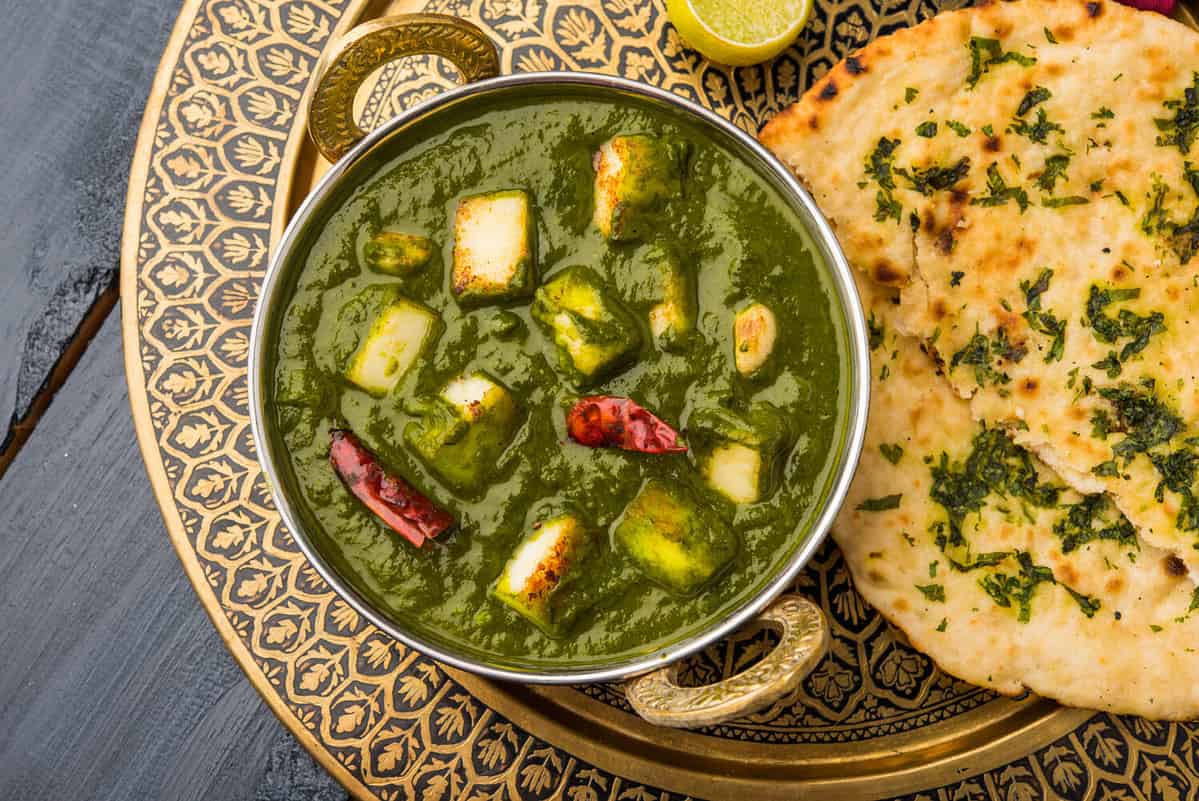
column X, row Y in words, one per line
column 561, row 381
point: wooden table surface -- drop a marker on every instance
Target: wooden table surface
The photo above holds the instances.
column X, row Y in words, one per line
column 114, row 683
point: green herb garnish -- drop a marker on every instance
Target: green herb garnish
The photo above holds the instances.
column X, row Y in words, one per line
column 1182, row 238
column 977, row 353
column 1145, row 421
column 934, row 178
column 1031, row 98
column 958, row 128
column 986, row 53
column 1055, row 167
column 1008, row 590
column 1086, row 521
column 932, row 592
column 875, row 331
column 892, row 453
column 1034, row 289
column 1126, row 324
column 879, row 165
column 1156, row 218
column 880, row 504
column 1059, row 202
column 1177, row 470
column 996, row 465
column 1087, row 603
column 1047, row 324
column 1037, row 131
column 1043, row 322
column 1109, row 364
column 1180, row 130
column 999, row 193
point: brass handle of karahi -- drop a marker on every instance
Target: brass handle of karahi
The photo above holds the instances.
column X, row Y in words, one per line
column 804, row 636
column 351, row 60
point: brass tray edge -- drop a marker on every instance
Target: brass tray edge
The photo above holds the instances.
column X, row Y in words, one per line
column 139, row 402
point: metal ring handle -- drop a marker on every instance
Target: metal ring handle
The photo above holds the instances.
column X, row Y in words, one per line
column 350, row 61
column 804, row 634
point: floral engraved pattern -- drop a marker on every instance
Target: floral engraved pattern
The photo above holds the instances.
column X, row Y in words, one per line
column 397, row 722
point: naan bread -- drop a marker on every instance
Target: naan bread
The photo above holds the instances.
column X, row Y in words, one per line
column 1109, row 624
column 1042, row 239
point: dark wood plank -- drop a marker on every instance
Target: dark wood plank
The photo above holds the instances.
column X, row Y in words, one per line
column 115, row 684
column 75, row 77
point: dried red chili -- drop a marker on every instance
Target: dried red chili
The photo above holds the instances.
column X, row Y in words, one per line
column 604, row 421
column 393, row 500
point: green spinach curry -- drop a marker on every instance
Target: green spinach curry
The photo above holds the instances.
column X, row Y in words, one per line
column 598, row 348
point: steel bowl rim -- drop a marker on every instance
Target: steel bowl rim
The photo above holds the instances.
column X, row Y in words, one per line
column 859, row 384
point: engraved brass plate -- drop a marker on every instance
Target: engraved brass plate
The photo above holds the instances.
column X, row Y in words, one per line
column 222, row 160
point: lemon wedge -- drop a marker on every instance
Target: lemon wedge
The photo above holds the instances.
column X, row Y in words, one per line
column 739, row 32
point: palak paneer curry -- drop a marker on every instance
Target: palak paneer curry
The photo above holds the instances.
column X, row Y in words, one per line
column 561, row 380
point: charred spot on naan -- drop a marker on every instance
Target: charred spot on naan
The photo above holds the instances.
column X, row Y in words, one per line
column 938, row 309
column 945, row 241
column 886, row 273
column 1067, row 573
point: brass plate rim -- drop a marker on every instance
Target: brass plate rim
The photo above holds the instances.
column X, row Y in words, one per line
column 560, row 724
column 139, row 402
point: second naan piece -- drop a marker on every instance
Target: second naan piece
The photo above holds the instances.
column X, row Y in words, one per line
column 1006, row 578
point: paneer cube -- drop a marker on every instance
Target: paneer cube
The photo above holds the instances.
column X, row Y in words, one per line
column 397, row 253
column 673, row 539
column 673, row 315
column 755, row 330
column 463, row 431
column 494, row 248
column 740, row 455
column 396, row 338
column 635, row 176
column 536, row 581
column 593, row 333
